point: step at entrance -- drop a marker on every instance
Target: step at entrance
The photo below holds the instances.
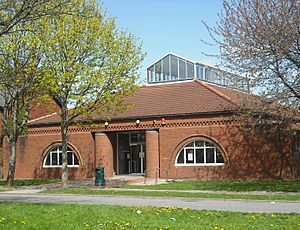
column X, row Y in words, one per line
column 123, row 179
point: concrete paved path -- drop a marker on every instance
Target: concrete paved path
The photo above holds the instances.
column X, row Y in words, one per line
column 193, row 203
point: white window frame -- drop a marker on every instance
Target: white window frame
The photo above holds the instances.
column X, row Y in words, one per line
column 194, row 148
column 56, row 149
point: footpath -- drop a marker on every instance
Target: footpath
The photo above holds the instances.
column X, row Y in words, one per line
column 90, row 184
column 31, row 194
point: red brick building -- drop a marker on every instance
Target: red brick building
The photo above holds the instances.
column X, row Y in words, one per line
column 184, row 128
column 35, row 112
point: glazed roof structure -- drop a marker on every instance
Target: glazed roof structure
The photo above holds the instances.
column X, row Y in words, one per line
column 173, row 67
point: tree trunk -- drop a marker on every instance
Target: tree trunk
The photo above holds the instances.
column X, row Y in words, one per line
column 12, row 164
column 12, row 141
column 64, row 136
column 281, row 151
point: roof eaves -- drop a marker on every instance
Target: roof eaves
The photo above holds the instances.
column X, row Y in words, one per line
column 202, row 114
column 215, row 91
column 43, row 117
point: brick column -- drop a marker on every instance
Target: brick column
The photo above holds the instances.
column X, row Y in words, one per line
column 152, row 152
column 104, row 154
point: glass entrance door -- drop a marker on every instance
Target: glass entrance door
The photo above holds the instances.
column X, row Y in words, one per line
column 138, row 161
column 131, row 153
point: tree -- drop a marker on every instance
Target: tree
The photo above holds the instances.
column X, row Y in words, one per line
column 89, row 64
column 19, row 65
column 262, row 39
column 20, row 53
column 14, row 12
column 271, row 123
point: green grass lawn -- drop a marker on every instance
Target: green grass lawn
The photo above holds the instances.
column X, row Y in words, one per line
column 75, row 216
column 169, row 194
column 31, row 182
column 272, row 186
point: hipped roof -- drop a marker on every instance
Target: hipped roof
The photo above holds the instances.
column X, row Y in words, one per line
column 185, row 98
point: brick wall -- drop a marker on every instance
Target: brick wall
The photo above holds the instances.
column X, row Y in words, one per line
column 1, row 163
column 246, row 156
column 31, row 151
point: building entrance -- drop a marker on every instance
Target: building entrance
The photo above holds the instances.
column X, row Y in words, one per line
column 131, row 153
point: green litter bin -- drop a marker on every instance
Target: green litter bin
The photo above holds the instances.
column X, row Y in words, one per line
column 99, row 178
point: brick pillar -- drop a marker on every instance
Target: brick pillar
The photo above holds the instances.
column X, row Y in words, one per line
column 104, row 154
column 152, row 152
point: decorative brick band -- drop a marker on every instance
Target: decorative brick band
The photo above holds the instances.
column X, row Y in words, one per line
column 145, row 125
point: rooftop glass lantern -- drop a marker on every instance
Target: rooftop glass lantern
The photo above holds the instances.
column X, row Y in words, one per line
column 175, row 68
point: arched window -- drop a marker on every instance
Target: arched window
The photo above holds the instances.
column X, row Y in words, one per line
column 53, row 158
column 200, row 152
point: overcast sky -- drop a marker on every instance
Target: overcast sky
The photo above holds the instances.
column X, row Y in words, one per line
column 168, row 26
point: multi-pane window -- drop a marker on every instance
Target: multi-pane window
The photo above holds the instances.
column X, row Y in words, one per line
column 200, row 152
column 173, row 68
column 54, row 158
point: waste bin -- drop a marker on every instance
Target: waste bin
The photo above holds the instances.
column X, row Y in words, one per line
column 99, row 177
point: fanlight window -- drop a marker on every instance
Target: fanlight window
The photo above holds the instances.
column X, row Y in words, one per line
column 200, row 153
column 54, row 158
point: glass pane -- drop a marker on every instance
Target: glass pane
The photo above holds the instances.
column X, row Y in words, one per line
column 219, row 77
column 208, row 144
column 134, row 138
column 213, row 75
column 180, row 159
column 189, row 157
column 60, row 158
column 199, row 143
column 182, row 69
column 158, row 71
column 219, row 157
column 47, row 162
column 54, row 159
column 70, row 158
column 207, row 74
column 76, row 162
column 150, row 74
column 137, row 137
column 174, row 68
column 190, row 70
column 199, row 72
column 210, row 155
column 141, row 137
column 190, row 144
column 166, row 70
column 199, row 155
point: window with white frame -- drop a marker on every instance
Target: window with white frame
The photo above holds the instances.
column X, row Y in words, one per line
column 200, row 152
column 53, row 158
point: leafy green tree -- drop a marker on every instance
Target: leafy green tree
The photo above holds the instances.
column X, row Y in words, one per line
column 19, row 64
column 90, row 65
column 20, row 53
column 15, row 12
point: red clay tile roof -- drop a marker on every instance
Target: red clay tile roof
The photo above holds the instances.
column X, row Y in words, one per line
column 173, row 99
